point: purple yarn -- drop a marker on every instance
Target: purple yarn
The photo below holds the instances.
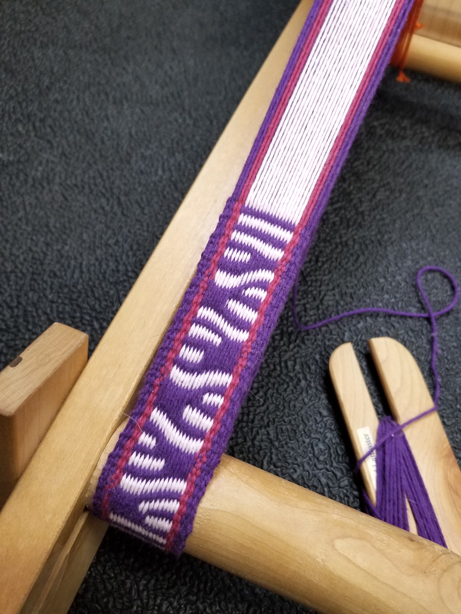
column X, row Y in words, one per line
column 398, row 477
column 399, row 480
column 430, row 315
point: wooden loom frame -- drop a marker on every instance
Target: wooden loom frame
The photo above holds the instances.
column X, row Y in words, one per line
column 50, row 573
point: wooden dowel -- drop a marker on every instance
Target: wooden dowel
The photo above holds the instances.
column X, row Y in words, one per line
column 316, row 551
column 434, row 58
column 441, row 20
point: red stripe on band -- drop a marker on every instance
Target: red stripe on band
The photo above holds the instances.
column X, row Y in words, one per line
column 201, row 457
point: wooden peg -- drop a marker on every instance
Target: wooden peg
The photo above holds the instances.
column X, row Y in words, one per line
column 32, row 389
column 408, row 396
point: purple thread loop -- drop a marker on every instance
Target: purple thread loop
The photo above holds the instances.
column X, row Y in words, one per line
column 398, row 477
column 430, row 315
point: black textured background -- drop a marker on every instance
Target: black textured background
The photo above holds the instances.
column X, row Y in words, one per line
column 109, row 109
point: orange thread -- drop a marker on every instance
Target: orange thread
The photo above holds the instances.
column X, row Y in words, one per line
column 400, row 54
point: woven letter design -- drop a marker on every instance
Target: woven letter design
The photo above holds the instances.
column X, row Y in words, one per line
column 164, row 459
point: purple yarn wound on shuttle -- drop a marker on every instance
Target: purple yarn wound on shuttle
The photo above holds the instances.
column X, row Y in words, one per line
column 398, row 476
column 399, row 480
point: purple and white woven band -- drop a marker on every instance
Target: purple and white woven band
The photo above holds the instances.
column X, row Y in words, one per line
column 165, row 457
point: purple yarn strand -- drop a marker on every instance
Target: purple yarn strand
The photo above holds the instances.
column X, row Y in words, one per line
column 397, row 429
column 430, row 315
column 398, row 476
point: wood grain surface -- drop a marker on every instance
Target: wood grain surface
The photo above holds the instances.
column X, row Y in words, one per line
column 32, row 389
column 408, row 396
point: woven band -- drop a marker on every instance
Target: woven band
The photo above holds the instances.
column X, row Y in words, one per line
column 164, row 459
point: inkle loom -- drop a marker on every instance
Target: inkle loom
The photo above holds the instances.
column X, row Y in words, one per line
column 164, row 459
column 251, row 523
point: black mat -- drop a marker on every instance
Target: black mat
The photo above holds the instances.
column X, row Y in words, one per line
column 109, row 109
